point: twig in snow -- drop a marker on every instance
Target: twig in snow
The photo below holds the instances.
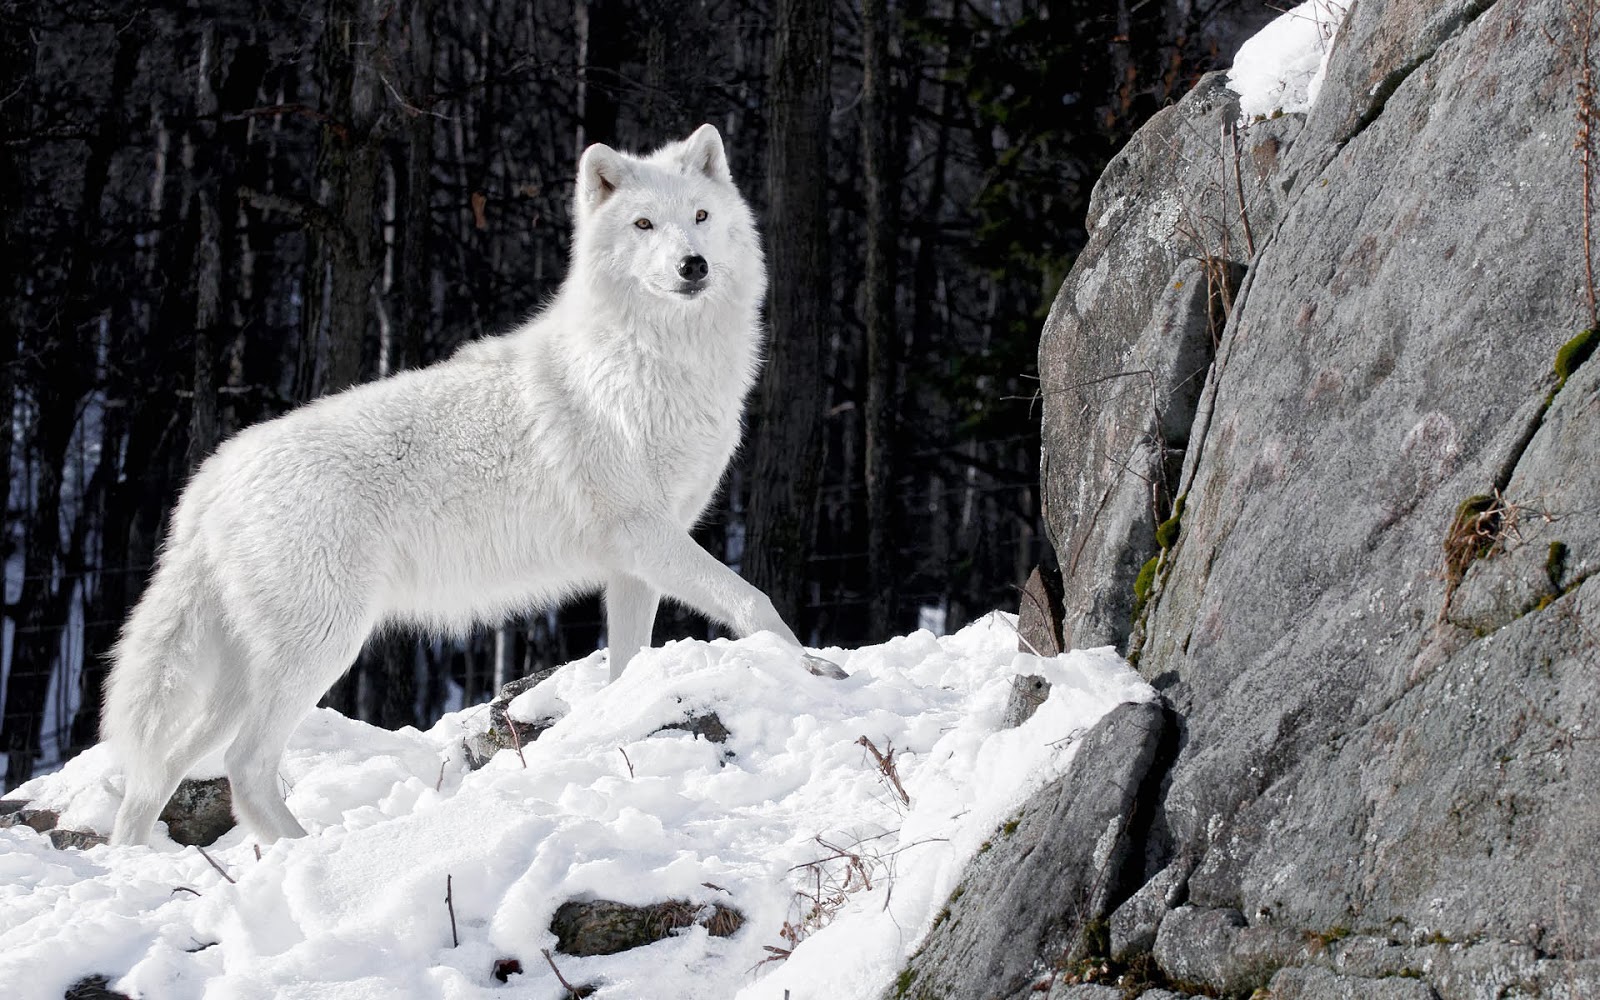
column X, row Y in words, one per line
column 516, row 740
column 440, row 783
column 774, row 954
column 625, row 758
column 1018, row 632
column 219, row 868
column 887, row 768
column 184, row 888
column 450, row 903
column 258, row 851
column 572, row 991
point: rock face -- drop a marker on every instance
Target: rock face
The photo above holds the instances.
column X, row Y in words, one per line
column 1037, row 897
column 1375, row 620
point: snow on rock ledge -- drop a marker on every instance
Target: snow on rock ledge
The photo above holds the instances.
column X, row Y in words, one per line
column 1281, row 68
column 611, row 805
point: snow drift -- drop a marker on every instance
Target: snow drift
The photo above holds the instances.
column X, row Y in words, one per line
column 610, row 805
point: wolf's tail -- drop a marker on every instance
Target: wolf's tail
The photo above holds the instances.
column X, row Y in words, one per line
column 151, row 692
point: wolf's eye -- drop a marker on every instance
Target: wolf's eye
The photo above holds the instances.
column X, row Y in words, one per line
column 642, row 224
column 700, row 216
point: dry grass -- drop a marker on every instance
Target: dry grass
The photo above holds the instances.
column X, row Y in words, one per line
column 887, row 769
column 1480, row 529
column 830, row 881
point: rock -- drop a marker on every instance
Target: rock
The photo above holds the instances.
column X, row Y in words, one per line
column 1028, row 692
column 200, row 811
column 1037, row 896
column 1080, row 991
column 1542, row 550
column 605, row 927
column 80, row 840
column 708, row 726
column 1218, row 948
column 42, row 820
column 504, row 732
column 94, row 988
column 1320, row 984
column 819, row 667
column 1039, row 613
column 1039, row 623
column 1352, row 760
column 1134, row 925
column 9, row 808
column 1126, row 348
column 1385, row 758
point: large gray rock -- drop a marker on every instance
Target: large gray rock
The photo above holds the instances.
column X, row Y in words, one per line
column 1386, row 782
column 1352, row 760
column 1037, row 896
column 1128, row 342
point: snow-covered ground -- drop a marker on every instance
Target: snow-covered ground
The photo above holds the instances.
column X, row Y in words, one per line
column 1282, row 66
column 608, row 806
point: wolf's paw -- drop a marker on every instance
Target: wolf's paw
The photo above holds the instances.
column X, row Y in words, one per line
column 822, row 668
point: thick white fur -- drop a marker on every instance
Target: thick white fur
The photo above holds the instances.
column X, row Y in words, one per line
column 570, row 454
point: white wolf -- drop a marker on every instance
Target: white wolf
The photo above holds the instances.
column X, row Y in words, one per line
column 570, row 454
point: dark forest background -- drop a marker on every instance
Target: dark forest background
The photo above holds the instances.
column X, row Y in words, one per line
column 215, row 210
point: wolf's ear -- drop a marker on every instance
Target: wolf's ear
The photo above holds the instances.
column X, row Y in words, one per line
column 703, row 154
column 601, row 170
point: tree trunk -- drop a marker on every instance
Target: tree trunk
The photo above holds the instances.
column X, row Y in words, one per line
column 200, row 180
column 350, row 167
column 882, row 197
column 345, row 258
column 787, row 438
column 390, row 660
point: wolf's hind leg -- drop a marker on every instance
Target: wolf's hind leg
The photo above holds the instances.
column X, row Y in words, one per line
column 155, row 776
column 630, row 617
column 252, row 761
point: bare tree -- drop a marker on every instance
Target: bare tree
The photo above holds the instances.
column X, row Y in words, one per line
column 882, row 199
column 787, row 433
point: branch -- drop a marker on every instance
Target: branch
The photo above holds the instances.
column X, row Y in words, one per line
column 335, row 126
column 300, row 210
column 220, row 870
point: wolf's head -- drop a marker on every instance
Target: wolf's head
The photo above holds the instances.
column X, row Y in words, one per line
column 670, row 225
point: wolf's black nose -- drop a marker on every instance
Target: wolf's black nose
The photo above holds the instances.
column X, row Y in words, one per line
column 693, row 268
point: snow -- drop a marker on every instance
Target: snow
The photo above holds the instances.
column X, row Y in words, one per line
column 1281, row 68
column 608, row 806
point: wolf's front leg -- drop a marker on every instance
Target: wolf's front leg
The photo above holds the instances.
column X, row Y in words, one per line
column 630, row 617
column 668, row 559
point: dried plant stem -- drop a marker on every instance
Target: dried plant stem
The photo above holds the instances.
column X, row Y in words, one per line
column 516, row 740
column 572, row 991
column 450, row 904
column 1238, row 188
column 213, row 862
column 887, row 768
